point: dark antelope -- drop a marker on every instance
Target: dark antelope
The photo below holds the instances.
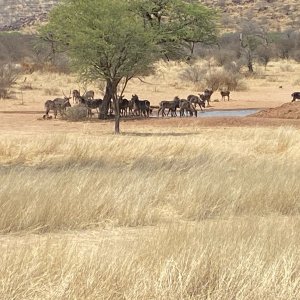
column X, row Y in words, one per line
column 75, row 95
column 89, row 95
column 90, row 104
column 56, row 105
column 196, row 100
column 170, row 105
column 206, row 96
column 295, row 95
column 124, row 106
column 140, row 107
column 225, row 94
column 187, row 107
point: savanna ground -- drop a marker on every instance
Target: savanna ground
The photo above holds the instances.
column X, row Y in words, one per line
column 170, row 209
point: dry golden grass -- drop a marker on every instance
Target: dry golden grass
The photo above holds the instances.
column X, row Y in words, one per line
column 170, row 209
column 182, row 214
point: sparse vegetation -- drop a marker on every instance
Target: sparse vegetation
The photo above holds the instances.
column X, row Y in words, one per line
column 8, row 77
column 221, row 79
column 52, row 91
column 193, row 73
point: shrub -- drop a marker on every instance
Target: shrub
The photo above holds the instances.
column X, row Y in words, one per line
column 8, row 77
column 52, row 91
column 287, row 68
column 222, row 79
column 76, row 113
column 194, row 73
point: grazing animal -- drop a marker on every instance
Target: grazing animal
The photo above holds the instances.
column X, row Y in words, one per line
column 196, row 100
column 171, row 105
column 140, row 107
column 225, row 94
column 295, row 95
column 89, row 95
column 56, row 105
column 188, row 107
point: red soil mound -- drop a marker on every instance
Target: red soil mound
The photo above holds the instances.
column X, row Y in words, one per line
column 286, row 111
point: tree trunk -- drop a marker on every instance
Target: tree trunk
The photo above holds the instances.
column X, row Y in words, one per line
column 117, row 114
column 250, row 67
column 250, row 62
column 109, row 92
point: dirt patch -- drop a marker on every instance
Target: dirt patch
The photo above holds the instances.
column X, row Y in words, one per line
column 285, row 111
column 33, row 124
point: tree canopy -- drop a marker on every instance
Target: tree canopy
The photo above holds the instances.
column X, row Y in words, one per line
column 116, row 39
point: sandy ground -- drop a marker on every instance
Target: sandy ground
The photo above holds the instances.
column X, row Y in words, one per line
column 23, row 113
column 31, row 124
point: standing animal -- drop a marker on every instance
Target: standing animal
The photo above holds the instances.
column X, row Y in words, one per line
column 131, row 107
column 89, row 95
column 75, row 95
column 140, row 107
column 123, row 105
column 295, row 95
column 196, row 100
column 225, row 94
column 186, row 106
column 206, row 96
column 171, row 105
column 90, row 104
column 56, row 105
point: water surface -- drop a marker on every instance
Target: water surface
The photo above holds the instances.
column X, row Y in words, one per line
column 228, row 113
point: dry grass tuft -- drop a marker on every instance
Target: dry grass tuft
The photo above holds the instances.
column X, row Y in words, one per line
column 68, row 182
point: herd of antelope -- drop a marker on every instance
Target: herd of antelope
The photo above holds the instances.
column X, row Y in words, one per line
column 134, row 106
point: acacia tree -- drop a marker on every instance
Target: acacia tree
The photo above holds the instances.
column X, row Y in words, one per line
column 116, row 40
column 179, row 24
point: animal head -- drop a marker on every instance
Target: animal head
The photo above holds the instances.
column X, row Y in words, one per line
column 208, row 92
column 75, row 93
column 67, row 104
column 134, row 97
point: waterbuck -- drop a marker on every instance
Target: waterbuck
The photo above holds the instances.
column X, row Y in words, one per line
column 123, row 106
column 186, row 107
column 225, row 94
column 90, row 104
column 89, row 95
column 196, row 100
column 295, row 95
column 206, row 96
column 56, row 105
column 75, row 95
column 140, row 107
column 171, row 105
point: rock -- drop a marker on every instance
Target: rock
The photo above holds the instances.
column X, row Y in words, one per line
column 21, row 13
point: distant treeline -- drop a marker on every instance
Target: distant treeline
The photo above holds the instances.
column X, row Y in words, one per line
column 248, row 47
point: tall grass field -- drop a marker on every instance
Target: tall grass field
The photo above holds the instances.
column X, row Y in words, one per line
column 193, row 213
